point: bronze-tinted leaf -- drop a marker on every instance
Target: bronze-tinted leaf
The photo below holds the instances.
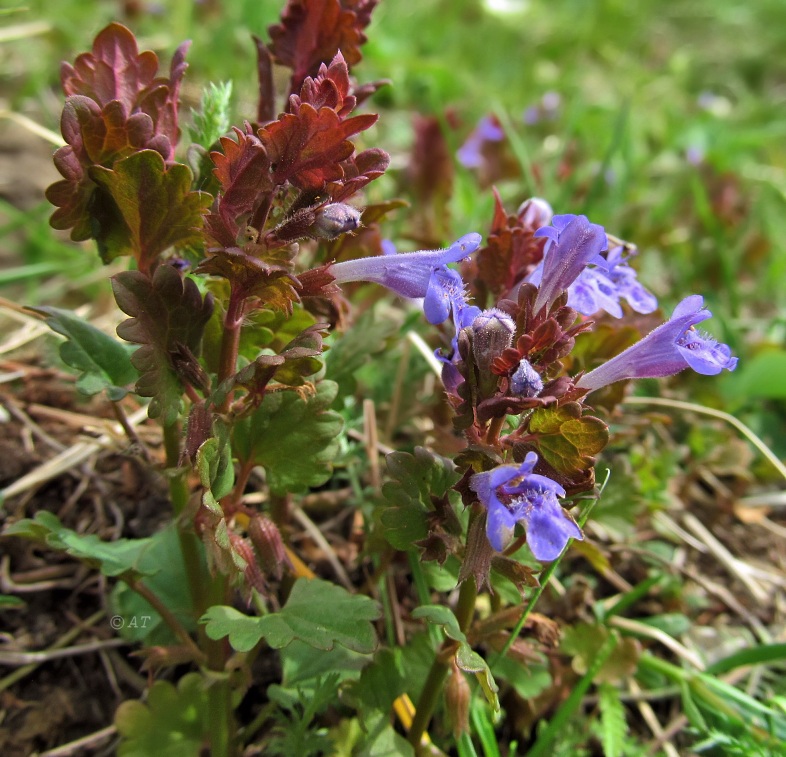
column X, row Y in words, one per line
column 114, row 70
column 311, row 32
column 152, row 208
column 307, row 149
column 566, row 439
column 272, row 285
column 167, row 312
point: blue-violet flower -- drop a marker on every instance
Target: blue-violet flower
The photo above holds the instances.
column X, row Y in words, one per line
column 535, row 212
column 512, row 494
column 470, row 154
column 526, row 381
column 602, row 284
column 669, row 349
column 414, row 274
column 572, row 243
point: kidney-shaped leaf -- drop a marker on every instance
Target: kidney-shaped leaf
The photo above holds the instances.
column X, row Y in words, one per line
column 317, row 612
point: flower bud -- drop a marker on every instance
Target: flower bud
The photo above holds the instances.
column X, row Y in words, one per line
column 535, row 213
column 457, row 698
column 492, row 332
column 268, row 545
column 199, row 429
column 526, row 381
column 247, row 562
column 335, row 219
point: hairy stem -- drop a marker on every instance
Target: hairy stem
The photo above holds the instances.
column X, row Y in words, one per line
column 432, row 689
column 178, row 493
column 204, row 594
column 223, row 729
column 230, row 342
column 492, row 435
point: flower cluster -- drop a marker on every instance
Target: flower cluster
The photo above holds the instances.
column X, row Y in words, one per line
column 511, row 356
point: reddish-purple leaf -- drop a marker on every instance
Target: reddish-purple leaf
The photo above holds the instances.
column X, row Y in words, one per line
column 510, row 254
column 311, row 32
column 116, row 106
column 358, row 171
column 160, row 101
column 114, row 70
column 330, row 89
column 243, row 171
column 266, row 107
column 71, row 196
column 307, row 149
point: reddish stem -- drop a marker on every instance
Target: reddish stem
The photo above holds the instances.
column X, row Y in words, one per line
column 230, row 342
column 492, row 435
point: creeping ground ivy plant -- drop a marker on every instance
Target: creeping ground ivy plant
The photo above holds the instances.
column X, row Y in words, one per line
column 252, row 250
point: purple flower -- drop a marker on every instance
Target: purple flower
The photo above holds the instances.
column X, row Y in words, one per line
column 667, row 350
column 414, row 274
column 526, row 381
column 513, row 494
column 602, row 284
column 623, row 277
column 470, row 154
column 446, row 292
column 572, row 243
column 535, row 212
column 546, row 109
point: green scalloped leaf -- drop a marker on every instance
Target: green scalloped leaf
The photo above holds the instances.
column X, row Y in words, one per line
column 173, row 721
column 418, row 478
column 152, row 208
column 244, row 631
column 103, row 361
column 566, row 439
column 293, row 437
column 163, row 563
column 317, row 612
column 113, row 558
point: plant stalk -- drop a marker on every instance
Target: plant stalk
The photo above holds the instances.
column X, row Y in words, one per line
column 204, row 593
column 432, row 689
column 492, row 435
column 230, row 342
column 178, row 493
